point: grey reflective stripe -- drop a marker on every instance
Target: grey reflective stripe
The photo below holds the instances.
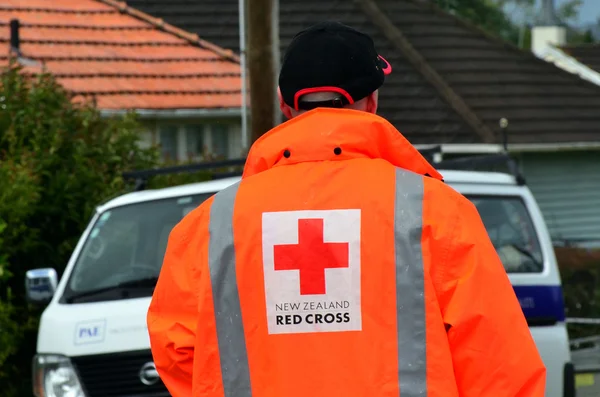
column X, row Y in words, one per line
column 410, row 293
column 230, row 328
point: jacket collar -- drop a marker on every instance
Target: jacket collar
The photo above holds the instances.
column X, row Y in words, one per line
column 314, row 135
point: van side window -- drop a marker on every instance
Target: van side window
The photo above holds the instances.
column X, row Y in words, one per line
column 512, row 232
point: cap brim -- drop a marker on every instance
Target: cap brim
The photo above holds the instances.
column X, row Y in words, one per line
column 385, row 65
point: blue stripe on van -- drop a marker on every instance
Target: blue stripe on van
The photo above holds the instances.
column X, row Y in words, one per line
column 541, row 302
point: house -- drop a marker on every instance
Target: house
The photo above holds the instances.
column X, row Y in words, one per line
column 451, row 85
column 186, row 90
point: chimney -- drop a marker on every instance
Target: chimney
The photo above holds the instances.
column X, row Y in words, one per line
column 15, row 46
column 14, row 36
column 549, row 30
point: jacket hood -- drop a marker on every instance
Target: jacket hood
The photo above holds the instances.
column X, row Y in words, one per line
column 315, row 135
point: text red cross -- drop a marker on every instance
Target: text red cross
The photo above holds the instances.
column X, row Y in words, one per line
column 311, row 256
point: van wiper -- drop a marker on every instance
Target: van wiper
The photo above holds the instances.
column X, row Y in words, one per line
column 528, row 254
column 143, row 283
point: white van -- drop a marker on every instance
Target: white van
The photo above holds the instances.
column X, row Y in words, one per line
column 93, row 339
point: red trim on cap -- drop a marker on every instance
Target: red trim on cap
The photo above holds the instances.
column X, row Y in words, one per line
column 388, row 69
column 321, row 89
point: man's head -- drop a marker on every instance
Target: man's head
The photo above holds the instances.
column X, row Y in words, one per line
column 331, row 65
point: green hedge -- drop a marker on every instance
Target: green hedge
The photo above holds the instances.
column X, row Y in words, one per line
column 58, row 160
column 580, row 273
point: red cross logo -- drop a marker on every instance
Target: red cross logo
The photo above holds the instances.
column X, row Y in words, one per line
column 311, row 256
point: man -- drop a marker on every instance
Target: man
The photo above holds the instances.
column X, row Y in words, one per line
column 341, row 264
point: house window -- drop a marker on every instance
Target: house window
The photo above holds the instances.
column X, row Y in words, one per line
column 168, row 142
column 219, row 137
column 194, row 142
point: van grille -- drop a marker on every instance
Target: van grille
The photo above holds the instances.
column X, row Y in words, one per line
column 117, row 375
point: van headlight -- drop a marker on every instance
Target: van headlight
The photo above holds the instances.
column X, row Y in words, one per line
column 54, row 376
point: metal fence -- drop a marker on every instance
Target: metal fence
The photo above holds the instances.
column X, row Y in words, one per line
column 585, row 355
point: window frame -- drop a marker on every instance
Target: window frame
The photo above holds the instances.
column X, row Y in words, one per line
column 166, row 127
column 181, row 135
column 531, row 220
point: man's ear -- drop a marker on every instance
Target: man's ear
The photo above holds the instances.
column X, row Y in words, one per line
column 285, row 109
column 372, row 102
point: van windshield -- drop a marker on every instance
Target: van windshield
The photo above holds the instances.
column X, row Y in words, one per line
column 124, row 251
column 512, row 232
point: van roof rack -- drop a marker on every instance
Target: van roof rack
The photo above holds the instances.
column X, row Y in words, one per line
column 430, row 152
column 474, row 163
column 141, row 176
column 462, row 163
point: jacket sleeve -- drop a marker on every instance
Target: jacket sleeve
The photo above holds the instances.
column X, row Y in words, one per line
column 492, row 348
column 173, row 315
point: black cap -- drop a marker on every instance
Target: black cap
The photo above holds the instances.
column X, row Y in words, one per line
column 331, row 57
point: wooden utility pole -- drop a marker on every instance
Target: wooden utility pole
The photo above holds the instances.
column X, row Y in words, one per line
column 260, row 66
column 276, row 60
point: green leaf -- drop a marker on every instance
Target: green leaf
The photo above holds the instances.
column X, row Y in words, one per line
column 569, row 10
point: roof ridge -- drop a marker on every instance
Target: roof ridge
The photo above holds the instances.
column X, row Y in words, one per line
column 161, row 24
column 80, row 27
column 165, row 76
column 123, row 59
column 53, row 10
column 156, row 92
column 389, row 30
column 99, row 43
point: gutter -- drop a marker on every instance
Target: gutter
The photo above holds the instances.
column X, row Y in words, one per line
column 176, row 113
column 490, row 148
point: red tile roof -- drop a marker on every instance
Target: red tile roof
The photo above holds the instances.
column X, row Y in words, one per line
column 120, row 57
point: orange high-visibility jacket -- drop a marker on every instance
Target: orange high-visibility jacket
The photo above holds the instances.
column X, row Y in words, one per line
column 340, row 265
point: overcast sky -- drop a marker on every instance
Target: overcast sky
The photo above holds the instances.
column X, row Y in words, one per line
column 590, row 10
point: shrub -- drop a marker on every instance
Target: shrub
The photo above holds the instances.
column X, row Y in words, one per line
column 19, row 190
column 580, row 273
column 58, row 159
